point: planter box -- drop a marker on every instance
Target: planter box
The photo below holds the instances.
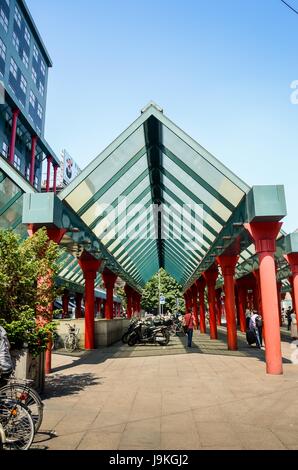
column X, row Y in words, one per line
column 29, row 367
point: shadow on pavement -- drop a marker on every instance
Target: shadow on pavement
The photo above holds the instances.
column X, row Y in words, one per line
column 201, row 345
column 58, row 385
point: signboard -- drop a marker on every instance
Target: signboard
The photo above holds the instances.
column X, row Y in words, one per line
column 70, row 168
column 162, row 300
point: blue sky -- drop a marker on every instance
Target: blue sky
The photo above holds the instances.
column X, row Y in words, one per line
column 220, row 69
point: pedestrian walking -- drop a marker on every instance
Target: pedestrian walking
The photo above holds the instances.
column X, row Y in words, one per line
column 189, row 322
column 253, row 326
column 289, row 318
column 247, row 318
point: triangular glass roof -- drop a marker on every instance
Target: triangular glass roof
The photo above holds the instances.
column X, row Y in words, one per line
column 155, row 198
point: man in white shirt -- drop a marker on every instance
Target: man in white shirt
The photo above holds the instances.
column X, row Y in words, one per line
column 254, row 327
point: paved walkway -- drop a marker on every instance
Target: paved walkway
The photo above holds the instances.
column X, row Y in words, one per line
column 152, row 397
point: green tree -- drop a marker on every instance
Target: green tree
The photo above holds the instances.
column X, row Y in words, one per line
column 27, row 290
column 168, row 287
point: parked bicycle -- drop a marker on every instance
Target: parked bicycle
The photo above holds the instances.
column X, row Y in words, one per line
column 57, row 342
column 71, row 340
column 16, row 425
column 21, row 392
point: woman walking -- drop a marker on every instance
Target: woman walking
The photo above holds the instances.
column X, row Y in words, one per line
column 189, row 322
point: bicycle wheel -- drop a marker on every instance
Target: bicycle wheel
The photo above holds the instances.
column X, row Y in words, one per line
column 18, row 425
column 26, row 396
column 69, row 343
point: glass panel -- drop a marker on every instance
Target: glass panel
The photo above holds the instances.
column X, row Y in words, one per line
column 136, row 195
column 195, row 245
column 202, row 167
column 207, row 219
column 116, row 190
column 147, row 228
column 8, row 191
column 208, row 237
column 196, row 188
column 106, row 169
column 125, row 224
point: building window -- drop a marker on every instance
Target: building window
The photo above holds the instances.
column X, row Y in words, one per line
column 25, row 59
column 2, row 50
column 23, row 84
column 17, row 162
column 43, row 68
column 27, row 36
column 28, row 171
column 36, row 182
column 13, row 68
column 41, row 88
column 17, row 16
column 35, row 53
column 5, row 149
column 3, row 20
column 34, row 75
column 39, row 111
column 32, row 99
column 15, row 41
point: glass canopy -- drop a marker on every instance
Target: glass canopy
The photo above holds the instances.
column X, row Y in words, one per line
column 156, row 198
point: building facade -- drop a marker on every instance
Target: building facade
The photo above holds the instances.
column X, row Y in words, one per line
column 24, row 66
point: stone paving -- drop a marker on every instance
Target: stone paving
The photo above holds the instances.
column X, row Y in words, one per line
column 151, row 397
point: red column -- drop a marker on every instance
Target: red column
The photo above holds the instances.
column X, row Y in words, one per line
column 55, row 234
column 250, row 301
column 242, row 305
column 109, row 280
column 49, row 163
column 201, row 284
column 190, row 299
column 236, row 305
column 264, row 235
column 55, row 179
column 194, row 291
column 228, row 264
column 292, row 259
column 186, row 300
column 133, row 302
column 210, row 277
column 128, row 292
column 90, row 267
column 255, row 297
column 218, row 306
column 33, row 152
column 12, row 147
column 65, row 302
column 138, row 302
column 257, row 293
column 79, row 298
column 279, row 286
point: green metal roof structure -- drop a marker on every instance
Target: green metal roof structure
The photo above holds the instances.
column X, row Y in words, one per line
column 156, row 198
